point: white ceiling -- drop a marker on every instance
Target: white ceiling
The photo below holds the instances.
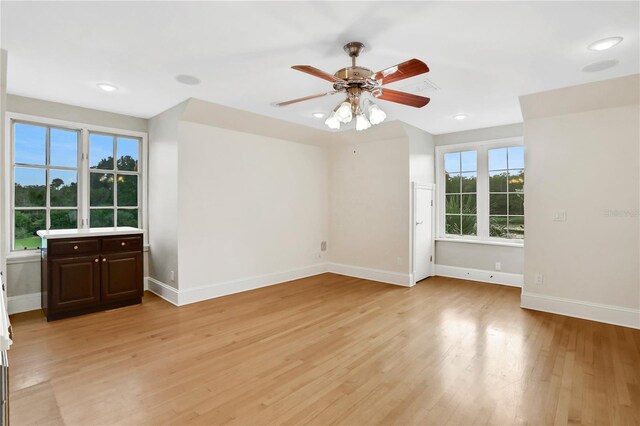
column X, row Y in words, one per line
column 482, row 55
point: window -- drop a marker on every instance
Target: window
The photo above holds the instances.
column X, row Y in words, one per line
column 45, row 181
column 481, row 190
column 66, row 175
column 506, row 192
column 461, row 192
column 113, row 187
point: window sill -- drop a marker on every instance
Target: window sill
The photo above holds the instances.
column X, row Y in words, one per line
column 482, row 242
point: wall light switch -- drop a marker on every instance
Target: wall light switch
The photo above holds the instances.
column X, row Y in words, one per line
column 560, row 216
column 539, row 279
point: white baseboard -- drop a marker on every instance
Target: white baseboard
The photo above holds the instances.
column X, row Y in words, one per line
column 397, row 278
column 609, row 314
column 24, row 303
column 192, row 295
column 163, row 290
column 494, row 277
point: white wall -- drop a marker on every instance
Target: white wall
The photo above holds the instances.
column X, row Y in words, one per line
column 480, row 256
column 369, row 204
column 3, row 107
column 583, row 158
column 250, row 205
column 163, row 195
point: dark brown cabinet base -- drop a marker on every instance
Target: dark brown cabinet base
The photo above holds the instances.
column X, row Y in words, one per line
column 90, row 274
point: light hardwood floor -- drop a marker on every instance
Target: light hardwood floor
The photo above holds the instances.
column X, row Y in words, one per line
column 324, row 350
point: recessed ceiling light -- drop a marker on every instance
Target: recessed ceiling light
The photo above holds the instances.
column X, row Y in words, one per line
column 460, row 117
column 605, row 43
column 600, row 66
column 107, row 87
column 319, row 115
column 187, row 79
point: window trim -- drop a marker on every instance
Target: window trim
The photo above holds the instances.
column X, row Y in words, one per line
column 8, row 209
column 482, row 189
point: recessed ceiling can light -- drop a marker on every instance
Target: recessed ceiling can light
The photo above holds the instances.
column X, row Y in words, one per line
column 460, row 117
column 319, row 115
column 107, row 87
column 605, row 43
column 187, row 79
column 600, row 66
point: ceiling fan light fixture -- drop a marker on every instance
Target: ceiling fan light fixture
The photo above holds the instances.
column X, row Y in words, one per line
column 343, row 113
column 332, row 122
column 362, row 123
column 376, row 114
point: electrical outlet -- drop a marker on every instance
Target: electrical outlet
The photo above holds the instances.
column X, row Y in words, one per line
column 398, row 261
column 539, row 279
column 498, row 266
column 172, row 276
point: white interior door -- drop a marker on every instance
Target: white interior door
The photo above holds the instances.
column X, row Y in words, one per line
column 423, row 232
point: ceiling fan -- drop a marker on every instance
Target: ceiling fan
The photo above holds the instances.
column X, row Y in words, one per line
column 356, row 80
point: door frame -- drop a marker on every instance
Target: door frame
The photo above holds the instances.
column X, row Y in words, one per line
column 415, row 186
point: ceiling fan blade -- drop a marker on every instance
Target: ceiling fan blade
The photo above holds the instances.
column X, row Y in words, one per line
column 407, row 69
column 306, row 98
column 317, row 73
column 402, row 98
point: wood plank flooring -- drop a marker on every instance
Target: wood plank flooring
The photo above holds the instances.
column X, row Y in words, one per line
column 327, row 350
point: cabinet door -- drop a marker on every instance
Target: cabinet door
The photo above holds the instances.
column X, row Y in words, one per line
column 121, row 276
column 75, row 282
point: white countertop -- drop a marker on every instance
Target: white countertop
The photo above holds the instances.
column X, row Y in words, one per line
column 91, row 232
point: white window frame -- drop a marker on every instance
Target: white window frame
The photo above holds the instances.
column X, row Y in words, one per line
column 83, row 174
column 482, row 191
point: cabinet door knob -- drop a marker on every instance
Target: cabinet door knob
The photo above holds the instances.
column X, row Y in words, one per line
column 123, row 243
column 75, row 247
column 104, row 260
column 96, row 260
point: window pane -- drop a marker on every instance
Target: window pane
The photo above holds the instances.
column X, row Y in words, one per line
column 498, row 226
column 469, row 181
column 63, row 148
column 516, row 204
column 497, row 181
column 469, row 204
column 453, row 204
column 101, row 151
column 27, row 222
column 516, row 157
column 30, row 187
column 30, row 144
column 100, row 218
column 452, row 162
column 498, row 204
column 128, row 217
column 101, row 189
column 453, row 224
column 469, row 161
column 63, row 219
column 453, row 183
column 469, row 225
column 64, row 188
column 498, row 159
column 516, row 227
column 127, row 154
column 127, row 190
column 516, row 180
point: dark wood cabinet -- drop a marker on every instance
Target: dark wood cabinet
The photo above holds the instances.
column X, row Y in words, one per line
column 83, row 275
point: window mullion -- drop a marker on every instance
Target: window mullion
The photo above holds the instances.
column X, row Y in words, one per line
column 83, row 178
column 482, row 198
